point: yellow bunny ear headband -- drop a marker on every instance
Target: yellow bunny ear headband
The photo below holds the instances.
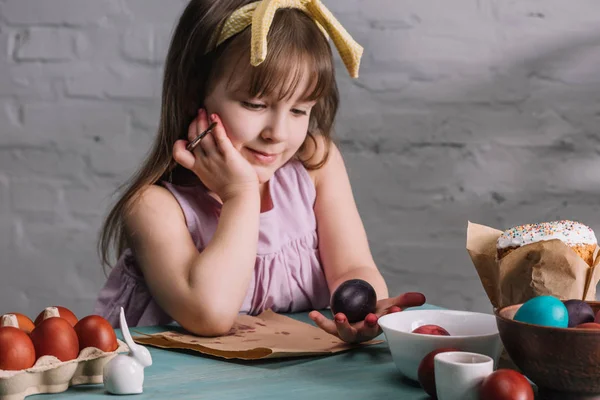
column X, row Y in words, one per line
column 260, row 15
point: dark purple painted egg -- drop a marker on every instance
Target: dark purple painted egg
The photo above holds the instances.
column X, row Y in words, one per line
column 579, row 311
column 355, row 298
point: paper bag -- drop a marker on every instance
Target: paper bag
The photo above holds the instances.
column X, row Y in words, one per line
column 268, row 335
column 543, row 268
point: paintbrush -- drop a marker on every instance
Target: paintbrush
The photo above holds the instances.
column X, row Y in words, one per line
column 198, row 138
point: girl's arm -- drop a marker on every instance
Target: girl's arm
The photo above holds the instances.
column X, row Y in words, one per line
column 203, row 292
column 343, row 244
column 345, row 253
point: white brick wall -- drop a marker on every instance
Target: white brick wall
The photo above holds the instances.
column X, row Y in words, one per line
column 484, row 110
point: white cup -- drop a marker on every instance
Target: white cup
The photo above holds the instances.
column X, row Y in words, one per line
column 458, row 374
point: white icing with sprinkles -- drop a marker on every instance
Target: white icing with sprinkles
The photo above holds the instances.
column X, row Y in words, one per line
column 568, row 231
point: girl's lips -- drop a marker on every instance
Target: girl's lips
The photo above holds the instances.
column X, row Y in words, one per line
column 263, row 158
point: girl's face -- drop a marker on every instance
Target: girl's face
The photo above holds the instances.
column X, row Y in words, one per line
column 266, row 131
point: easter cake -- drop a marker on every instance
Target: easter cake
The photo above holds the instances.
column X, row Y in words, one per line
column 576, row 235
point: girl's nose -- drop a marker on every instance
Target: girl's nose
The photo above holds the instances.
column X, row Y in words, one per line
column 275, row 130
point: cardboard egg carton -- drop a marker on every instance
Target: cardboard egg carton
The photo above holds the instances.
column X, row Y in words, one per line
column 50, row 375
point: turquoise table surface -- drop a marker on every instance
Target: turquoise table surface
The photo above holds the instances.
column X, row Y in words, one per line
column 363, row 373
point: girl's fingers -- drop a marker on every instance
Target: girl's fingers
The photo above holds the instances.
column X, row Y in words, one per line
column 370, row 328
column 341, row 328
column 371, row 319
column 323, row 322
column 345, row 331
column 182, row 156
column 410, row 299
column 208, row 144
column 405, row 300
column 220, row 136
column 198, row 125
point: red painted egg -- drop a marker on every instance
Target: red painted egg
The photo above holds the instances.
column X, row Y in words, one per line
column 589, row 325
column 506, row 384
column 55, row 337
column 426, row 372
column 25, row 323
column 95, row 331
column 16, row 349
column 63, row 312
column 431, row 330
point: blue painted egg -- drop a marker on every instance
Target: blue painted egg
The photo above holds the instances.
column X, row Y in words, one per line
column 544, row 310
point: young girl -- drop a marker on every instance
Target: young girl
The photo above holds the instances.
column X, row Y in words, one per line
column 260, row 214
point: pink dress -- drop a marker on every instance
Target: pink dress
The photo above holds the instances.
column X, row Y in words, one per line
column 288, row 276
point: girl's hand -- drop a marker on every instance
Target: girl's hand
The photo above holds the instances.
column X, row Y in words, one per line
column 367, row 329
column 218, row 164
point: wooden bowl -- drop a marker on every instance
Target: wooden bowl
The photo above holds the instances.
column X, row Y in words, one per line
column 564, row 363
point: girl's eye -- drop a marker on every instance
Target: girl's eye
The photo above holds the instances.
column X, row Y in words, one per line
column 299, row 112
column 253, row 106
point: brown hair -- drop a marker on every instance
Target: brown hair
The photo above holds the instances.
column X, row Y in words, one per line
column 294, row 43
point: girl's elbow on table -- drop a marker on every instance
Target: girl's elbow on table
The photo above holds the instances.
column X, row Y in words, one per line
column 207, row 325
column 205, row 319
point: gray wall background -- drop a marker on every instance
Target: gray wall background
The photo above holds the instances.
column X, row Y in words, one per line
column 481, row 110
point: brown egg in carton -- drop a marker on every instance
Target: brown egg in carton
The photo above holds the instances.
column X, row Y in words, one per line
column 51, row 375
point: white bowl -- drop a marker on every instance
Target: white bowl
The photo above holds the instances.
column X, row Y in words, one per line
column 469, row 331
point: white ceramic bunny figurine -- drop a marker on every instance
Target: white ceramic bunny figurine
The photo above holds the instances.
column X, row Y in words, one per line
column 124, row 374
